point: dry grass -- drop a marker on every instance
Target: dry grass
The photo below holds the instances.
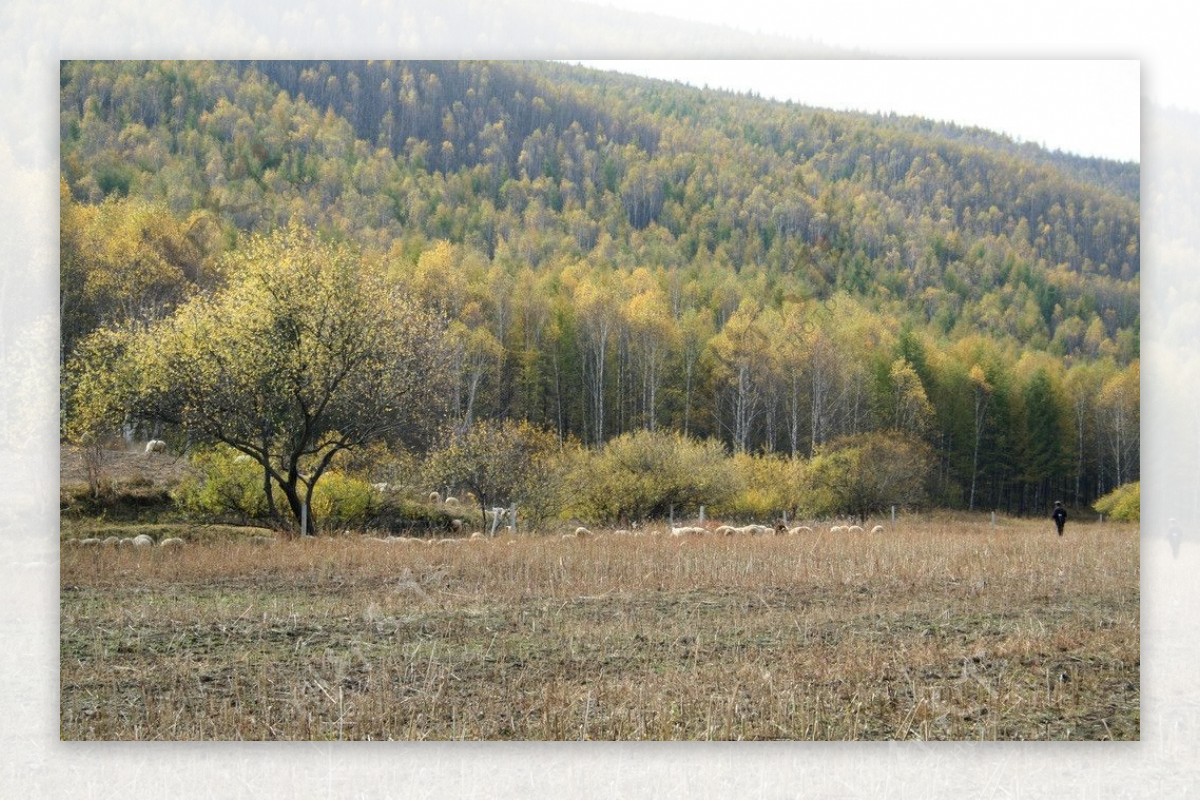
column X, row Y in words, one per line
column 934, row 630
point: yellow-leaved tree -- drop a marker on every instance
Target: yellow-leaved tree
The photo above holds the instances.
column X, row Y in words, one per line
column 303, row 354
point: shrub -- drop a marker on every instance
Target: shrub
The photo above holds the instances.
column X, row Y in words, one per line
column 1122, row 504
column 225, row 486
column 866, row 473
column 340, row 499
column 645, row 474
column 502, row 463
column 765, row 488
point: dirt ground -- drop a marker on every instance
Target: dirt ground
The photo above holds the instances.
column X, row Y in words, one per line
column 933, row 632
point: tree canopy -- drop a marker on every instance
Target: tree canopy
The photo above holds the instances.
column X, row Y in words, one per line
column 614, row 255
column 302, row 354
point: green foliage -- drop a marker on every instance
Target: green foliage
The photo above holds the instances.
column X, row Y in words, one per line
column 502, row 463
column 643, row 475
column 227, row 484
column 612, row 255
column 302, row 355
column 767, row 487
column 867, row 473
column 343, row 500
column 1122, row 504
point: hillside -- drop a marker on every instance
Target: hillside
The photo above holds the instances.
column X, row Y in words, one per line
column 622, row 253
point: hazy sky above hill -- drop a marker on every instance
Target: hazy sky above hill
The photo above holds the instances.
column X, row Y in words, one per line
column 1091, row 108
column 1087, row 104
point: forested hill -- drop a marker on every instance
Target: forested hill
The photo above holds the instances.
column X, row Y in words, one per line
column 532, row 201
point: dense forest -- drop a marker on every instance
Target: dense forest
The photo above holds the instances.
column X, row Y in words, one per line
column 615, row 254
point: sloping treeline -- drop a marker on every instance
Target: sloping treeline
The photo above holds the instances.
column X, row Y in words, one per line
column 615, row 254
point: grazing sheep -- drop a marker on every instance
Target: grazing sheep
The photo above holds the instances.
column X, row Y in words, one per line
column 241, row 458
column 877, row 530
column 435, row 498
column 754, row 530
column 456, row 525
column 855, row 529
column 110, row 540
column 582, row 532
column 800, row 530
column 171, row 542
column 725, row 531
column 86, row 541
column 451, row 502
column 836, row 529
column 477, row 535
column 622, row 532
column 684, row 531
column 156, row 446
column 143, row 540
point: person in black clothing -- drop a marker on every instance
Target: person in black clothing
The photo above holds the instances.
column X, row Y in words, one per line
column 1060, row 516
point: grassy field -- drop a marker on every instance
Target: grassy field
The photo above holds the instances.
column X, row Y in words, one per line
column 937, row 629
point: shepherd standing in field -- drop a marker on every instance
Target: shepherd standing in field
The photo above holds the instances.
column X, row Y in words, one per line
column 1060, row 516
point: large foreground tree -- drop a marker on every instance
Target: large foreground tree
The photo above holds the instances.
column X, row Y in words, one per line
column 304, row 353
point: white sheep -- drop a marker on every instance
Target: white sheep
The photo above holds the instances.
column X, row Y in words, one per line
column 582, row 532
column 877, row 530
column 241, row 458
column 855, row 529
column 87, row 541
column 435, row 498
column 799, row 530
column 171, row 542
column 836, row 529
column 754, row 530
column 725, row 531
column 685, row 531
column 451, row 502
column 143, row 541
column 156, row 446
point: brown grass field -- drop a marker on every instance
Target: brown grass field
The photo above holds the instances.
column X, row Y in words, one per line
column 940, row 628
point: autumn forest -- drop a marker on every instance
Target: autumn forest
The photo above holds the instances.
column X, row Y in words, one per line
column 610, row 255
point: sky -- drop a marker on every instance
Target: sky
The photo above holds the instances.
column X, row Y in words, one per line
column 1087, row 107
column 1028, row 55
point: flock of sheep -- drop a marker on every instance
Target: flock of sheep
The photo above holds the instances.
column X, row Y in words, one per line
column 146, row 541
column 752, row 530
column 140, row 541
column 494, row 517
